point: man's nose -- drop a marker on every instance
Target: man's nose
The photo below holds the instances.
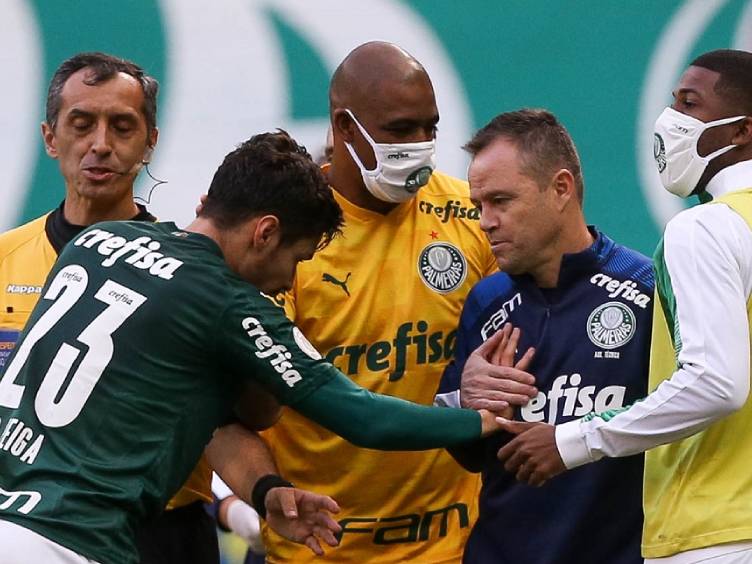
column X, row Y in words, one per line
column 101, row 142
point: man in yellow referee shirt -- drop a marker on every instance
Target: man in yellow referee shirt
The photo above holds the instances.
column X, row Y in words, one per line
column 382, row 304
column 698, row 486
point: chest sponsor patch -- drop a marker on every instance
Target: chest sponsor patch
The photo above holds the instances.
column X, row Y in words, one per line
column 7, row 344
column 442, row 267
column 611, row 325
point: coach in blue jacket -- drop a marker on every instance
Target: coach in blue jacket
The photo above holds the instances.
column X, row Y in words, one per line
column 583, row 304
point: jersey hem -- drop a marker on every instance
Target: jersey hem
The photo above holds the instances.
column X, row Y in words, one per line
column 699, row 541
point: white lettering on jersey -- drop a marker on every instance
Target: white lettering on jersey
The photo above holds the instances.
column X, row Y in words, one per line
column 277, row 355
column 18, row 439
column 142, row 250
column 495, row 322
column 572, row 400
column 33, row 499
column 627, row 289
column 23, row 289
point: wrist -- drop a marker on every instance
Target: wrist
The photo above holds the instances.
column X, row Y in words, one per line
column 262, row 487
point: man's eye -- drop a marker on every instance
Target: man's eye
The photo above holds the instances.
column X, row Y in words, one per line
column 123, row 127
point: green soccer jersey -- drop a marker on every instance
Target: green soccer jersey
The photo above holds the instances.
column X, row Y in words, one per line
column 140, row 343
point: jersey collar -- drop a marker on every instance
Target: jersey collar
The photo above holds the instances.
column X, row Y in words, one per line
column 573, row 264
column 59, row 230
column 732, row 178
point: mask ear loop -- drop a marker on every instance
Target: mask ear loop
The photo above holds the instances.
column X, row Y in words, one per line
column 722, row 150
column 157, row 182
column 371, row 142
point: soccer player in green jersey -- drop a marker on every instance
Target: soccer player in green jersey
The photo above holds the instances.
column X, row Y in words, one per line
column 145, row 338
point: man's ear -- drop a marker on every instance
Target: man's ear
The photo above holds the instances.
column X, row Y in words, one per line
column 150, row 144
column 267, row 233
column 48, row 137
column 343, row 125
column 563, row 186
column 743, row 135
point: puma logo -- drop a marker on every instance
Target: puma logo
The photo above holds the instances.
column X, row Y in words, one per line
column 332, row 280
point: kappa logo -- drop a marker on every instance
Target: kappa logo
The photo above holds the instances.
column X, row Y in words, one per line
column 611, row 325
column 442, row 267
column 23, row 289
column 326, row 277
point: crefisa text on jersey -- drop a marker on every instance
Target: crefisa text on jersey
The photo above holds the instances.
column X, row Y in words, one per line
column 276, row 354
column 20, row 440
column 142, row 252
column 627, row 289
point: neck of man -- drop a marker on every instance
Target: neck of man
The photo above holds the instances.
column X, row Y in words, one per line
column 226, row 239
column 572, row 238
column 344, row 176
column 79, row 210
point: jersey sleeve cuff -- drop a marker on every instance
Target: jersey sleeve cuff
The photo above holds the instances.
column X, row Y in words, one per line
column 571, row 444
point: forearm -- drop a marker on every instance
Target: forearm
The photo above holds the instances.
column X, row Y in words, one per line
column 678, row 408
column 386, row 423
column 240, row 457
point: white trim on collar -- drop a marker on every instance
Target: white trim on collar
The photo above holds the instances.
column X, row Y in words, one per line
column 730, row 179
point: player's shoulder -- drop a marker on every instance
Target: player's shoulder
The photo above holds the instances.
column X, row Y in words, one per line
column 711, row 214
column 16, row 239
column 713, row 225
column 442, row 185
column 490, row 289
column 625, row 262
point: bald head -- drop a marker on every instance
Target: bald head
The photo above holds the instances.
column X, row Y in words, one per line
column 362, row 77
column 379, row 89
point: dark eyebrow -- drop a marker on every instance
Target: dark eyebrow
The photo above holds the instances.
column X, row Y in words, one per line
column 675, row 93
column 407, row 123
column 75, row 112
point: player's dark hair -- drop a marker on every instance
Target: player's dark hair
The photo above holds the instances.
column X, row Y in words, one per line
column 102, row 67
column 543, row 142
column 271, row 174
column 735, row 81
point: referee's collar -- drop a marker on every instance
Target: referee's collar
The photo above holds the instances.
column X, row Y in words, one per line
column 59, row 230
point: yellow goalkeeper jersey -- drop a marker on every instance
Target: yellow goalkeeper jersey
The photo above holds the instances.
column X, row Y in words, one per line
column 27, row 254
column 382, row 304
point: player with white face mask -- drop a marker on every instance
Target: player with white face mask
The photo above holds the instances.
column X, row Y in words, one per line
column 695, row 423
column 382, row 304
column 401, row 168
column 675, row 149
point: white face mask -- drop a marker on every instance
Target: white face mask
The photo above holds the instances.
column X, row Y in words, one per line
column 675, row 150
column 401, row 168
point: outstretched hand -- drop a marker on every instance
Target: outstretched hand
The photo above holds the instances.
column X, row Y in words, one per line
column 532, row 455
column 303, row 517
column 491, row 380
